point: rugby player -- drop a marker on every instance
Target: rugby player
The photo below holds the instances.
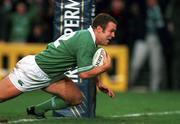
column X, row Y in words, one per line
column 46, row 70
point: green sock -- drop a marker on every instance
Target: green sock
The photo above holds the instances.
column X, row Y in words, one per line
column 51, row 104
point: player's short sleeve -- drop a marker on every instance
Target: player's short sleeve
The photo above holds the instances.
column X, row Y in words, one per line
column 84, row 58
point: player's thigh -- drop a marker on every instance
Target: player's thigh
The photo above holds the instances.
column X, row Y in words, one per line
column 7, row 89
column 65, row 89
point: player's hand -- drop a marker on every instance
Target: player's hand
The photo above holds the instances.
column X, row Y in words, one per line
column 106, row 61
column 105, row 90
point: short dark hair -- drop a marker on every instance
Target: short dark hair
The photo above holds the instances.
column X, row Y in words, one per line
column 102, row 20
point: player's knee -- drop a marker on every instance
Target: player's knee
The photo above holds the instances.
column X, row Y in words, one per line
column 76, row 99
column 79, row 99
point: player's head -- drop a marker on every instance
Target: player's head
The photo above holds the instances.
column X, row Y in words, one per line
column 104, row 26
column 102, row 20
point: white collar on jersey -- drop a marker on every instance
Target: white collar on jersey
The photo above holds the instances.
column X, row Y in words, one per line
column 92, row 34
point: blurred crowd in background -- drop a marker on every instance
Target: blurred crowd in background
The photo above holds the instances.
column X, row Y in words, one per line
column 150, row 29
column 26, row 20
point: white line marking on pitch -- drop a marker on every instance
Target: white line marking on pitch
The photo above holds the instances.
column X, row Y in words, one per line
column 114, row 116
column 23, row 120
column 147, row 114
column 30, row 120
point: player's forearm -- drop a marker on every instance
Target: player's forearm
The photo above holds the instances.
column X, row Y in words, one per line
column 93, row 72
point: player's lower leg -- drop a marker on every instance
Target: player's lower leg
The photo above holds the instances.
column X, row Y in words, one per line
column 67, row 94
column 51, row 104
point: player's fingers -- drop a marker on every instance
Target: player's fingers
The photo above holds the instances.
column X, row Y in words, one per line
column 105, row 56
column 111, row 93
column 107, row 60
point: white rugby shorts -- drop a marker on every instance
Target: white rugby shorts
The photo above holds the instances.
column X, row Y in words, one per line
column 27, row 76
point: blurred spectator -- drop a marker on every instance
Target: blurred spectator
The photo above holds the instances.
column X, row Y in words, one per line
column 151, row 47
column 101, row 6
column 136, row 24
column 45, row 14
column 5, row 8
column 38, row 33
column 7, row 5
column 118, row 11
column 20, row 21
column 136, row 28
column 173, row 49
column 20, row 17
column 42, row 26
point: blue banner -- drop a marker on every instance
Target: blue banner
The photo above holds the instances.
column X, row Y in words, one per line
column 72, row 15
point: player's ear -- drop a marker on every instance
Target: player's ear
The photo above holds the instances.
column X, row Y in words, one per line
column 99, row 29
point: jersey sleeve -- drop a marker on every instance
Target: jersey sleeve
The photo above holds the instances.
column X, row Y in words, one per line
column 84, row 58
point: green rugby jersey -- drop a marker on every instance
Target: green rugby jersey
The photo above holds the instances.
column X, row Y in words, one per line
column 70, row 50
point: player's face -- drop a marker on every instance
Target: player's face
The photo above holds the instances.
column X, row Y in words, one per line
column 107, row 34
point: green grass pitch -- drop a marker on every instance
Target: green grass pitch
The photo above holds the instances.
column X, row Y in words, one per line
column 125, row 108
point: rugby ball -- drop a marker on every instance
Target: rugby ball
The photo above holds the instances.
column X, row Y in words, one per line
column 98, row 57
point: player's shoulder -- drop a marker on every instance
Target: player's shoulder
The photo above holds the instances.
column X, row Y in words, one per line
column 84, row 35
column 83, row 32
